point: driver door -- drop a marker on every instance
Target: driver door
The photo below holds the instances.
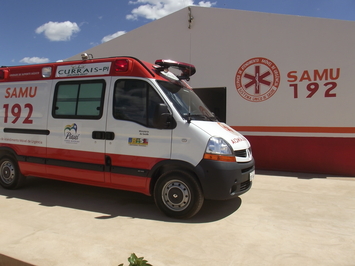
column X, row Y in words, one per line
column 137, row 145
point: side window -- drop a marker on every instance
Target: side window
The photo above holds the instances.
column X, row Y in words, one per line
column 135, row 100
column 79, row 99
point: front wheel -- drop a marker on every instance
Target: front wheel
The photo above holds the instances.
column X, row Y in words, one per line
column 10, row 176
column 178, row 194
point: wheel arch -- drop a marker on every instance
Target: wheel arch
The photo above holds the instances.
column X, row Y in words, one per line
column 7, row 151
column 171, row 166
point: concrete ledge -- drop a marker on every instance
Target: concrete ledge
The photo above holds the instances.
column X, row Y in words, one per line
column 8, row 261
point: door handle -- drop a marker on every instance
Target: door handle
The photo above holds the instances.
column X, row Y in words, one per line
column 106, row 135
column 109, row 135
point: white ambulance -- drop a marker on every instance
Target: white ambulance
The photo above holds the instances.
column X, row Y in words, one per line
column 120, row 123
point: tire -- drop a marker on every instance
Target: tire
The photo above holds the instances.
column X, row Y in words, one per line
column 10, row 176
column 178, row 194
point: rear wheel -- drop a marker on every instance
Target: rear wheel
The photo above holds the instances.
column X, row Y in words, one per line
column 178, row 194
column 10, row 176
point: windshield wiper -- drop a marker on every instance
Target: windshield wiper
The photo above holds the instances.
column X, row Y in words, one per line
column 190, row 117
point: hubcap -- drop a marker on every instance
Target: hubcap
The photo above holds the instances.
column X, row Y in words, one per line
column 7, row 172
column 176, row 195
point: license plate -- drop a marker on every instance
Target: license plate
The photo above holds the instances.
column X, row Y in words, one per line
column 251, row 176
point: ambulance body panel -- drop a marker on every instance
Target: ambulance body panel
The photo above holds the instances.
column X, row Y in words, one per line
column 193, row 142
column 120, row 123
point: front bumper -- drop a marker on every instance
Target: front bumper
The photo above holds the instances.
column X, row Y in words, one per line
column 224, row 180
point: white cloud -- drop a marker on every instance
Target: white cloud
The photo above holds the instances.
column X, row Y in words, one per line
column 58, row 31
column 206, row 4
column 112, row 36
column 155, row 9
column 34, row 60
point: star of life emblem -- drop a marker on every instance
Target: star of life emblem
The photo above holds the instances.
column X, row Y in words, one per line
column 257, row 79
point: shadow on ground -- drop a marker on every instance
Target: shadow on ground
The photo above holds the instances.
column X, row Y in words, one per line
column 110, row 203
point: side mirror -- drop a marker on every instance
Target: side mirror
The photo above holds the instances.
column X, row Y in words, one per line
column 162, row 117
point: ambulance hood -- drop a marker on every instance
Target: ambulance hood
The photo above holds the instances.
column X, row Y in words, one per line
column 219, row 129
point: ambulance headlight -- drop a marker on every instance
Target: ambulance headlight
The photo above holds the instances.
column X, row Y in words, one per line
column 218, row 145
column 219, row 150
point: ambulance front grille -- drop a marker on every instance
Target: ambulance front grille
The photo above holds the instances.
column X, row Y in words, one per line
column 241, row 153
column 245, row 185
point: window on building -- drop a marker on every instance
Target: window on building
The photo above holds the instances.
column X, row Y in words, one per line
column 79, row 99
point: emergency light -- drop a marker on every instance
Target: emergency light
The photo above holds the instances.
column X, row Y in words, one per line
column 121, row 65
column 187, row 70
column 85, row 56
column 46, row 72
column 3, row 73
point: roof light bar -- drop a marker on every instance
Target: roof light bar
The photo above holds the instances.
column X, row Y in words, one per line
column 187, row 70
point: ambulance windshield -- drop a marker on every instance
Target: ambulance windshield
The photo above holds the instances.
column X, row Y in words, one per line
column 186, row 102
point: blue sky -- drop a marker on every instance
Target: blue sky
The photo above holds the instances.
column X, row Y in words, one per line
column 39, row 31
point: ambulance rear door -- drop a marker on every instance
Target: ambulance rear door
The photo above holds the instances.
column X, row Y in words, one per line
column 138, row 144
column 23, row 118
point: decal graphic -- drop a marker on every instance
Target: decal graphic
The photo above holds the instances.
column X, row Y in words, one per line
column 138, row 142
column 227, row 128
column 257, row 79
column 237, row 139
column 83, row 70
column 71, row 135
column 144, row 132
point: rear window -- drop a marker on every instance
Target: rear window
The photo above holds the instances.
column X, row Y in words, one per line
column 79, row 99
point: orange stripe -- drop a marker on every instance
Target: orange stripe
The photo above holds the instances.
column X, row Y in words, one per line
column 295, row 129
